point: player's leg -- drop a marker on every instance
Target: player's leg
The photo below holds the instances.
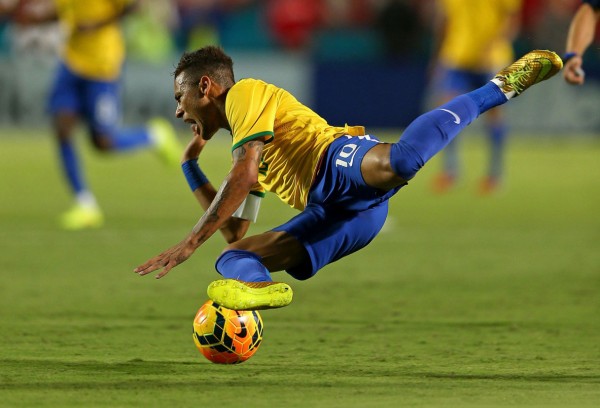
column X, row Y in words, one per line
column 103, row 113
column 273, row 250
column 64, row 106
column 246, row 267
column 497, row 131
column 302, row 246
column 432, row 131
column 449, row 83
column 85, row 212
column 390, row 165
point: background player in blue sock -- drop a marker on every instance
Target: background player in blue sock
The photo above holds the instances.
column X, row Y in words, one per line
column 339, row 178
column 86, row 87
column 475, row 40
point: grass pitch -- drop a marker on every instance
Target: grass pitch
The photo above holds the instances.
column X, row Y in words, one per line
column 461, row 301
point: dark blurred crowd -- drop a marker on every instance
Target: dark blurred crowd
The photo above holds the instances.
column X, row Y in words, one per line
column 324, row 29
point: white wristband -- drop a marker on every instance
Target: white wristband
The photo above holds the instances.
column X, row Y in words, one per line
column 249, row 208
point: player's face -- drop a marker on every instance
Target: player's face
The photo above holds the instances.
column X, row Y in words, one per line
column 195, row 106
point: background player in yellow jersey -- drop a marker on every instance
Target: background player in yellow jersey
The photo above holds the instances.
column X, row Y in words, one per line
column 86, row 87
column 581, row 34
column 474, row 38
column 338, row 177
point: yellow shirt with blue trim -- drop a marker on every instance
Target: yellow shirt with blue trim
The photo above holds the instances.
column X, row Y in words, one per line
column 475, row 38
column 96, row 54
column 295, row 137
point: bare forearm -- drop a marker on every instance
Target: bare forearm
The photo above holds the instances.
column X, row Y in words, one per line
column 233, row 229
column 230, row 196
column 205, row 195
column 581, row 31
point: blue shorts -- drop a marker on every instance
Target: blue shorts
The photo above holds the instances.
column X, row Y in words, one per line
column 343, row 213
column 97, row 102
column 459, row 81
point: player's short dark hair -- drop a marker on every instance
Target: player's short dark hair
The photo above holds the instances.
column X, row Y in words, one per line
column 210, row 61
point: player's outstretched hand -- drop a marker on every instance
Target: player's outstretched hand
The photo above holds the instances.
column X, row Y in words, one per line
column 166, row 260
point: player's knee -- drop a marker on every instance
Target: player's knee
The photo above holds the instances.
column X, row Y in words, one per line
column 404, row 160
column 377, row 171
column 101, row 142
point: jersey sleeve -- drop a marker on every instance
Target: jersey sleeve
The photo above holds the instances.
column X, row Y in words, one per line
column 258, row 190
column 250, row 110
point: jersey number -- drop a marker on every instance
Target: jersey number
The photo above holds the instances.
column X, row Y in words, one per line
column 346, row 156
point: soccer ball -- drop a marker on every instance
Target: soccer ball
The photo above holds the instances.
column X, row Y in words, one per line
column 226, row 336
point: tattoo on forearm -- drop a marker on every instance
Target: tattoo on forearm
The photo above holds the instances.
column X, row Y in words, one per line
column 250, row 152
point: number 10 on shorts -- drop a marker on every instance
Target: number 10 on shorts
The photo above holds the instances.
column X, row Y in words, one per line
column 346, row 155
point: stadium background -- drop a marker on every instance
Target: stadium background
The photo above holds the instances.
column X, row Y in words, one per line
column 317, row 49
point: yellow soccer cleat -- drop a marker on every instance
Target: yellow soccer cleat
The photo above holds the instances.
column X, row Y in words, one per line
column 80, row 217
column 165, row 140
column 532, row 68
column 238, row 295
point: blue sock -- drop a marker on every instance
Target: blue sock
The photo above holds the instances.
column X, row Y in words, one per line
column 497, row 134
column 451, row 162
column 131, row 138
column 487, row 97
column 70, row 165
column 432, row 131
column 243, row 265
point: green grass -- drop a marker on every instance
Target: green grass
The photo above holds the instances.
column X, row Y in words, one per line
column 461, row 300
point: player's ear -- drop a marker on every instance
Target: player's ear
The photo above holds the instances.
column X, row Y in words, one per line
column 204, row 85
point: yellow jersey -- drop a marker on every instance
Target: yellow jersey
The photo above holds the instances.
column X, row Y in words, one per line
column 476, row 34
column 295, row 137
column 96, row 54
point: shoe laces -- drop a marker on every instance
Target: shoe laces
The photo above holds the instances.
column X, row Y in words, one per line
column 256, row 285
column 518, row 79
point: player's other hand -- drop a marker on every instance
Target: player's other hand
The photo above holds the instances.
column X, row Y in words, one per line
column 195, row 146
column 573, row 72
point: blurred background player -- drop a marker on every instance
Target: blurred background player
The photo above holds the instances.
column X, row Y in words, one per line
column 86, row 87
column 473, row 40
column 580, row 36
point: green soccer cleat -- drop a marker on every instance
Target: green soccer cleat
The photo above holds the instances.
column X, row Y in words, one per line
column 80, row 217
column 534, row 67
column 238, row 295
column 165, row 141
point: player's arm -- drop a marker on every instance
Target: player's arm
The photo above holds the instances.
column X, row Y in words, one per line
column 234, row 228
column 580, row 36
column 233, row 191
